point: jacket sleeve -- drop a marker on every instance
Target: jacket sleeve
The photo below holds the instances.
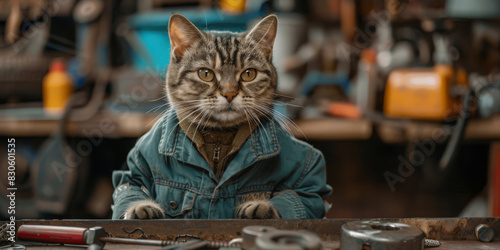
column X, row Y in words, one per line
column 304, row 200
column 131, row 185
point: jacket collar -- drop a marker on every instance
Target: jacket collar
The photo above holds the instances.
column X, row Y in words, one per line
column 262, row 144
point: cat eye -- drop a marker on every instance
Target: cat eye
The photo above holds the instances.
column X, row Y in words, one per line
column 248, row 75
column 206, row 75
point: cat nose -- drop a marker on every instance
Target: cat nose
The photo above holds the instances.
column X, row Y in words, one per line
column 229, row 95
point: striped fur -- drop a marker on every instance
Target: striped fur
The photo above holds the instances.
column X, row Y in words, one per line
column 144, row 209
column 256, row 210
column 227, row 55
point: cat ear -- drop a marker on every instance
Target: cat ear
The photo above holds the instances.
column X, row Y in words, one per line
column 264, row 33
column 182, row 34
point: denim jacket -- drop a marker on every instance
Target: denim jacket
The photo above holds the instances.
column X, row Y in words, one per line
column 271, row 165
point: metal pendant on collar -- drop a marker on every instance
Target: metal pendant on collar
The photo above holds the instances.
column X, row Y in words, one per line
column 216, row 156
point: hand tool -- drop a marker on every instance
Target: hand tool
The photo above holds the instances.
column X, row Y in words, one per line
column 380, row 235
column 288, row 240
column 267, row 238
column 251, row 233
column 95, row 237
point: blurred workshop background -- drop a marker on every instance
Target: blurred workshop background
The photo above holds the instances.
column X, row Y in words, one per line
column 401, row 96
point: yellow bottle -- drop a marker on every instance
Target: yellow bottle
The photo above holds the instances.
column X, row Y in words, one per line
column 233, row 6
column 57, row 88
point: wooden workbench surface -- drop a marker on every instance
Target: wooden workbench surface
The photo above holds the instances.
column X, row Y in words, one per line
column 332, row 245
column 453, row 233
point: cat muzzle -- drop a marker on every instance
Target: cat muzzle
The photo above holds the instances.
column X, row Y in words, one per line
column 229, row 95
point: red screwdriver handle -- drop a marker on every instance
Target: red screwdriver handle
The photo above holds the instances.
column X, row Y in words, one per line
column 52, row 234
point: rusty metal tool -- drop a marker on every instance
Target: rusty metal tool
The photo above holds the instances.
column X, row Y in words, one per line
column 251, row 233
column 270, row 238
column 380, row 235
column 288, row 240
column 94, row 237
column 188, row 245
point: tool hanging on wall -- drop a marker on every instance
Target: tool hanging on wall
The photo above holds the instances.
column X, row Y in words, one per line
column 483, row 97
column 92, row 33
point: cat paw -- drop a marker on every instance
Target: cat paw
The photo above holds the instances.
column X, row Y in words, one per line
column 145, row 209
column 256, row 210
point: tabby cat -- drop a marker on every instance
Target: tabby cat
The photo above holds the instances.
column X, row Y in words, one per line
column 221, row 87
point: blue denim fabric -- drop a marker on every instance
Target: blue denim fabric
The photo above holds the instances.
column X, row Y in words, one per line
column 165, row 166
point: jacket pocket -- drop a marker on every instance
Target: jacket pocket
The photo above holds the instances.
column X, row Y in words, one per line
column 177, row 202
column 177, row 198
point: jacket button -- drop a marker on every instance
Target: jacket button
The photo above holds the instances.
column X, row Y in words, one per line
column 173, row 205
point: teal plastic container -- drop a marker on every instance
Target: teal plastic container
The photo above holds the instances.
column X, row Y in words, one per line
column 151, row 33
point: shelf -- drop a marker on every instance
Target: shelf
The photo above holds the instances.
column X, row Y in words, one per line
column 393, row 131
column 130, row 124
column 333, row 129
column 135, row 124
column 112, row 125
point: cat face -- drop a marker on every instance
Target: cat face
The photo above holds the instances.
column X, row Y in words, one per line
column 221, row 79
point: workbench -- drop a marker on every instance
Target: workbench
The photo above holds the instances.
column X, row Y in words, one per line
column 453, row 233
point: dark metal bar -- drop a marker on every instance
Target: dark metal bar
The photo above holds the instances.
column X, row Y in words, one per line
column 138, row 241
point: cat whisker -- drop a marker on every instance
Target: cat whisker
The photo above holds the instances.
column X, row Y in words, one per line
column 248, row 120
column 279, row 103
column 157, row 107
column 190, row 124
column 200, row 122
column 208, row 119
column 287, row 120
column 157, row 116
column 258, row 120
column 282, row 95
column 187, row 101
column 254, row 119
column 282, row 119
column 179, row 122
column 251, row 118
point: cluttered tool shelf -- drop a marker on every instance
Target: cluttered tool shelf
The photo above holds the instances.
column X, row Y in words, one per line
column 449, row 233
column 134, row 124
